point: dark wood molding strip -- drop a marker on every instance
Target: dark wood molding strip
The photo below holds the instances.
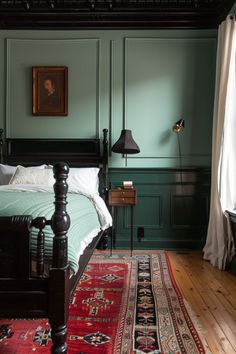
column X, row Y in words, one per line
column 58, row 14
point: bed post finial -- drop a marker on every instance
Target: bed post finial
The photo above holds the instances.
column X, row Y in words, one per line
column 1, row 145
column 60, row 218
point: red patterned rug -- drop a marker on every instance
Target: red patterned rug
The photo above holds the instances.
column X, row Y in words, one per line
column 163, row 324
column 101, row 314
column 103, row 318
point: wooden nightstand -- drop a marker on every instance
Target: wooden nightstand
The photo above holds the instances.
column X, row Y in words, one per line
column 122, row 197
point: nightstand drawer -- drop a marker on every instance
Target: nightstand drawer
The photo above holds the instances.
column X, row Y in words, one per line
column 122, row 197
column 122, row 201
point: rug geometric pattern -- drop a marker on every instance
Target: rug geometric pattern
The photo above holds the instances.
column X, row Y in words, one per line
column 122, row 305
column 162, row 324
column 101, row 315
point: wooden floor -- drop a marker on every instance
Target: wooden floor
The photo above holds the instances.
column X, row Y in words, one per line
column 212, row 295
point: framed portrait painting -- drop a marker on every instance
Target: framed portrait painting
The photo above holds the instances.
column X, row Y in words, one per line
column 50, row 91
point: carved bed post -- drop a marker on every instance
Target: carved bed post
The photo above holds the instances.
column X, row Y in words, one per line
column 59, row 273
column 60, row 218
column 103, row 243
column 1, row 145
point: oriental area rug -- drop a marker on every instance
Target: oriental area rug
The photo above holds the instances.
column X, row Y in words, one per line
column 122, row 305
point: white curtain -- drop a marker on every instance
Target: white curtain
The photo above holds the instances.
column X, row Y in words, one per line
column 219, row 248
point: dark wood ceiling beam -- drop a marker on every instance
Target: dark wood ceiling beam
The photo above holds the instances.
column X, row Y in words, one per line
column 113, row 14
column 109, row 5
column 106, row 21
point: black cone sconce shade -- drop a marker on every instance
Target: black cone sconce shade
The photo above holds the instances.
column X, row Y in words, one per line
column 125, row 144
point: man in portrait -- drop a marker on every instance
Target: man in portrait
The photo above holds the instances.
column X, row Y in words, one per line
column 50, row 99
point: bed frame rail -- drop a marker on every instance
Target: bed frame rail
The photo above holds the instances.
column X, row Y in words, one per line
column 15, row 246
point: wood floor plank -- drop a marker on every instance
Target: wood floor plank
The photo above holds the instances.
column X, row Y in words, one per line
column 191, row 294
column 203, row 287
column 225, row 316
column 220, row 282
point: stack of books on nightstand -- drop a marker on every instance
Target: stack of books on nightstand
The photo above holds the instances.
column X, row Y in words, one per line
column 128, row 185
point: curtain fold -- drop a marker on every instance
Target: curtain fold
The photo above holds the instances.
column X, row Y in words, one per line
column 219, row 247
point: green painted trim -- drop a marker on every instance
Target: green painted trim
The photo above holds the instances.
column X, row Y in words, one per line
column 7, row 115
column 111, row 95
column 124, row 85
column 98, row 95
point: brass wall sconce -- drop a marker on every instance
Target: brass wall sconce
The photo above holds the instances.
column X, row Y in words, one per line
column 178, row 126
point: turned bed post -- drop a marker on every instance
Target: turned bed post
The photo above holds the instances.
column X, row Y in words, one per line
column 103, row 243
column 1, row 145
column 59, row 273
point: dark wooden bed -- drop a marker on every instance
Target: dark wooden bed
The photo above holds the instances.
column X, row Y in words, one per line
column 21, row 294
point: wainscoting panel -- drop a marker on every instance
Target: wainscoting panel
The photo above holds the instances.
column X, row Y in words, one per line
column 183, row 214
column 154, row 218
column 172, row 207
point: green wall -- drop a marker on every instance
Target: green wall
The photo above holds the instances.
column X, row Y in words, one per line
column 141, row 80
column 172, row 207
column 233, row 9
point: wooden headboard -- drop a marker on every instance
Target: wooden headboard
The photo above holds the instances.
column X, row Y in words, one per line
column 75, row 152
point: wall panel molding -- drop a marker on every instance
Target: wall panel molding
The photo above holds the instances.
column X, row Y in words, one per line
column 98, row 95
column 111, row 93
column 12, row 43
column 188, row 46
column 172, row 210
column 155, row 204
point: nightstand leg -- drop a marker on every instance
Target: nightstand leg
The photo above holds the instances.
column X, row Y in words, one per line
column 111, row 241
column 113, row 230
column 131, row 229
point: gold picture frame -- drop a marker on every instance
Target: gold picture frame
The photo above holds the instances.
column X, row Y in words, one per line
column 50, row 91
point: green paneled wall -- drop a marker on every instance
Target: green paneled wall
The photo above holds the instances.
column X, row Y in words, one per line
column 171, row 85
column 141, row 80
column 233, row 8
column 134, row 79
column 172, row 207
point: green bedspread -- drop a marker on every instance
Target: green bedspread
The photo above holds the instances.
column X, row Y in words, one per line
column 84, row 220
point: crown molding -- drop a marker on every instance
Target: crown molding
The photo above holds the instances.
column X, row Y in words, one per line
column 112, row 14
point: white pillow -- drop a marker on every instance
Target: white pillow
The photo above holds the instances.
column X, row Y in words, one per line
column 32, row 175
column 84, row 180
column 7, row 171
